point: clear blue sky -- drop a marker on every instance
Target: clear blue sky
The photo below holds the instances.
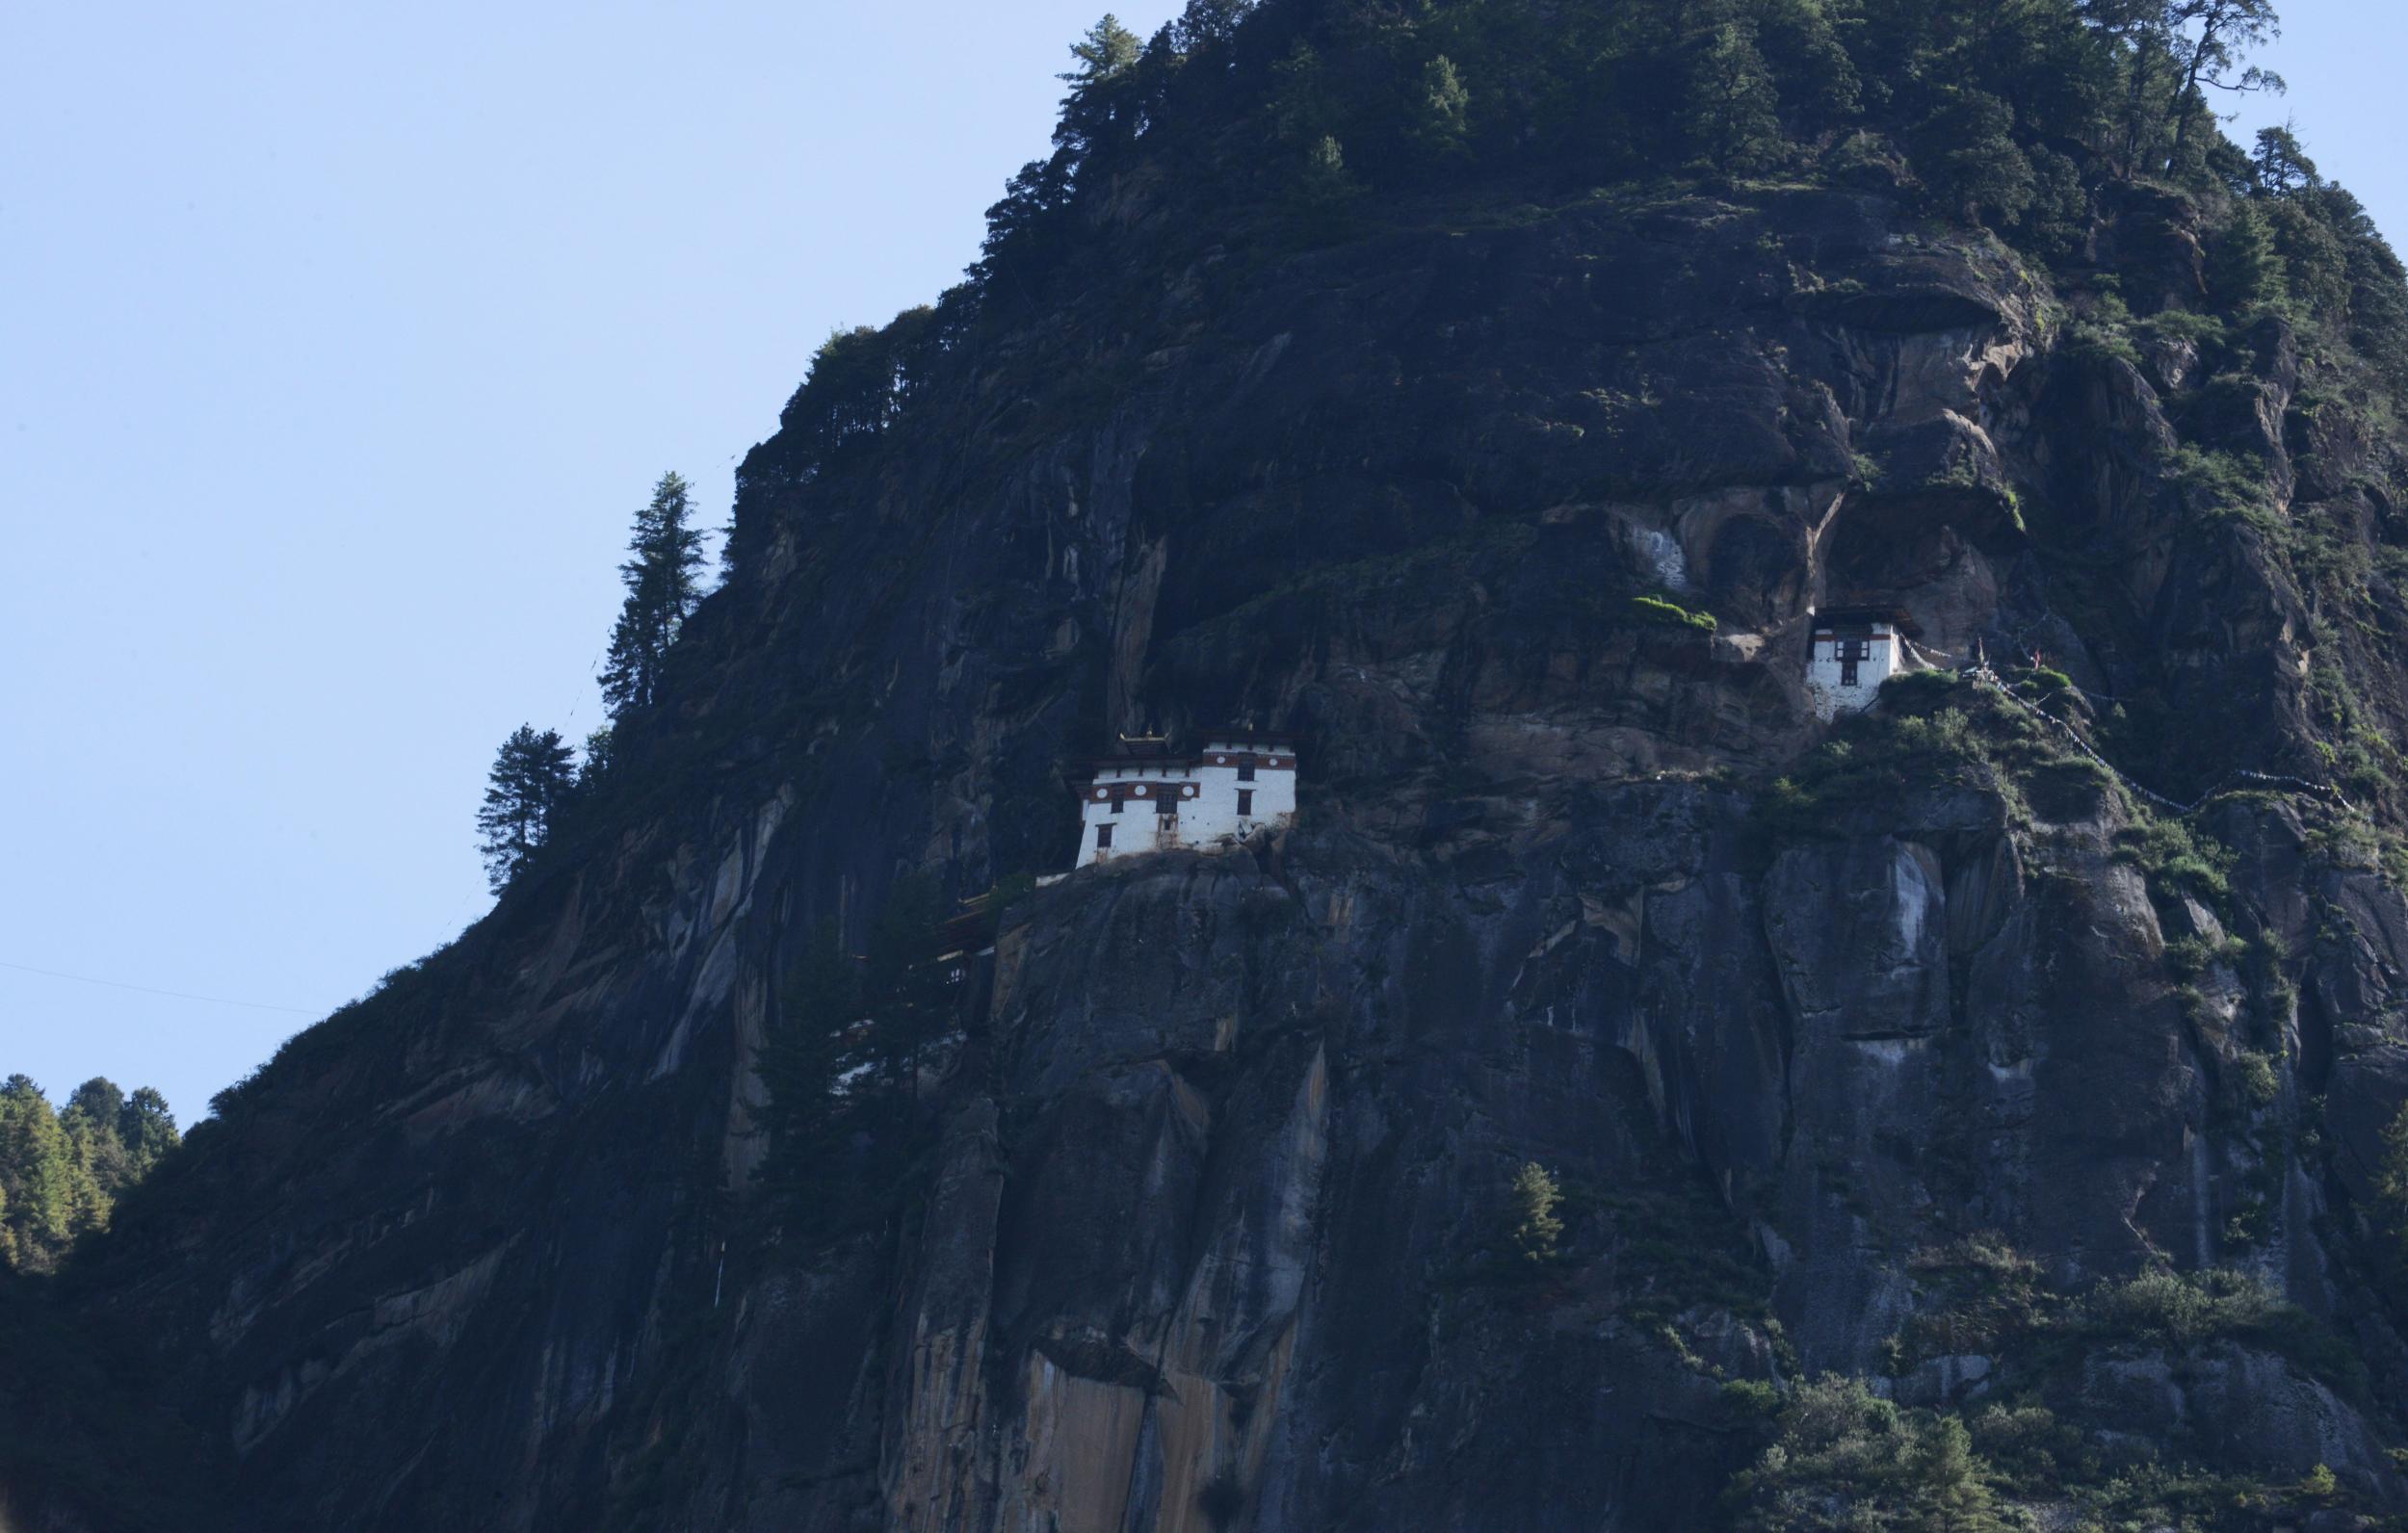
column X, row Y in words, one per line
column 338, row 344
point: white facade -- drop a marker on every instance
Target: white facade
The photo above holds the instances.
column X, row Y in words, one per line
column 1236, row 785
column 1848, row 661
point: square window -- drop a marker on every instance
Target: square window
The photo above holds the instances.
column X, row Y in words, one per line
column 1246, row 772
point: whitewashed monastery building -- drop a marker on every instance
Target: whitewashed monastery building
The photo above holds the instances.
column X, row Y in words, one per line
column 1149, row 798
column 1851, row 652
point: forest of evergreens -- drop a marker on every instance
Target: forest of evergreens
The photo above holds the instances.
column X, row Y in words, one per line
column 62, row 1168
column 537, row 776
column 1259, row 128
column 1262, row 127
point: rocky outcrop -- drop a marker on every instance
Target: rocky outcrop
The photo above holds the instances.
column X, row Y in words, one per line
column 1207, row 1229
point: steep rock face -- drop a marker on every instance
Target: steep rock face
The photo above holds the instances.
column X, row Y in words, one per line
column 1209, row 1232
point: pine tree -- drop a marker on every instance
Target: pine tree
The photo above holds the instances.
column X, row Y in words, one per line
column 840, row 1067
column 1100, row 111
column 1440, row 115
column 1299, row 95
column 40, row 1179
column 1535, row 1228
column 2144, row 32
column 90, row 1122
column 595, row 764
column 1818, row 83
column 98, row 1100
column 1975, row 164
column 62, row 1172
column 1323, row 183
column 2282, row 165
column 2391, row 1201
column 2244, row 267
column 2227, row 29
column 1949, row 1480
column 909, row 1002
column 531, row 776
column 2315, row 258
column 1206, row 23
column 802, row 1068
column 146, row 1128
column 663, row 577
column 1107, row 49
column 1733, row 109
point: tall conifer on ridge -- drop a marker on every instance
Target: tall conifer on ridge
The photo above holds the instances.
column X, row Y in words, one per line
column 663, row 577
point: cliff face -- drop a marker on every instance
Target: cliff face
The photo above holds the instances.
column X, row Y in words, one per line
column 1209, row 1231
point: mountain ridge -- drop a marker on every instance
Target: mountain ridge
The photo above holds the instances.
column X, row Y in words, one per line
column 1914, row 1050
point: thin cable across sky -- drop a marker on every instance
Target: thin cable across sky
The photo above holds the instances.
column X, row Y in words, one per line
column 152, row 990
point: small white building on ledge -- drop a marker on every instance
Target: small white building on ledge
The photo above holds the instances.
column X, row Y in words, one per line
column 1850, row 652
column 1150, row 798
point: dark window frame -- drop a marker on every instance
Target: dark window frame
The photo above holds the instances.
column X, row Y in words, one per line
column 1851, row 650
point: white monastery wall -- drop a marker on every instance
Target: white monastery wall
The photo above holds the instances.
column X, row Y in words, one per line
column 1839, row 687
column 1221, row 797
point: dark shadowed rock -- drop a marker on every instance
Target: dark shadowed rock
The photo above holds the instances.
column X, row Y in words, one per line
column 1204, row 1222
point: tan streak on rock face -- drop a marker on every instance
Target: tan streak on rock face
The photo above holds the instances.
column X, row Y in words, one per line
column 1238, row 1323
column 1132, row 632
column 1071, row 1467
column 939, row 1479
column 942, row 1462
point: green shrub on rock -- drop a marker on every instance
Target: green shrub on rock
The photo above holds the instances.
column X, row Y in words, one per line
column 1918, row 690
column 2173, row 857
column 1535, row 1231
column 1672, row 615
column 2180, row 1309
column 1845, row 1459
